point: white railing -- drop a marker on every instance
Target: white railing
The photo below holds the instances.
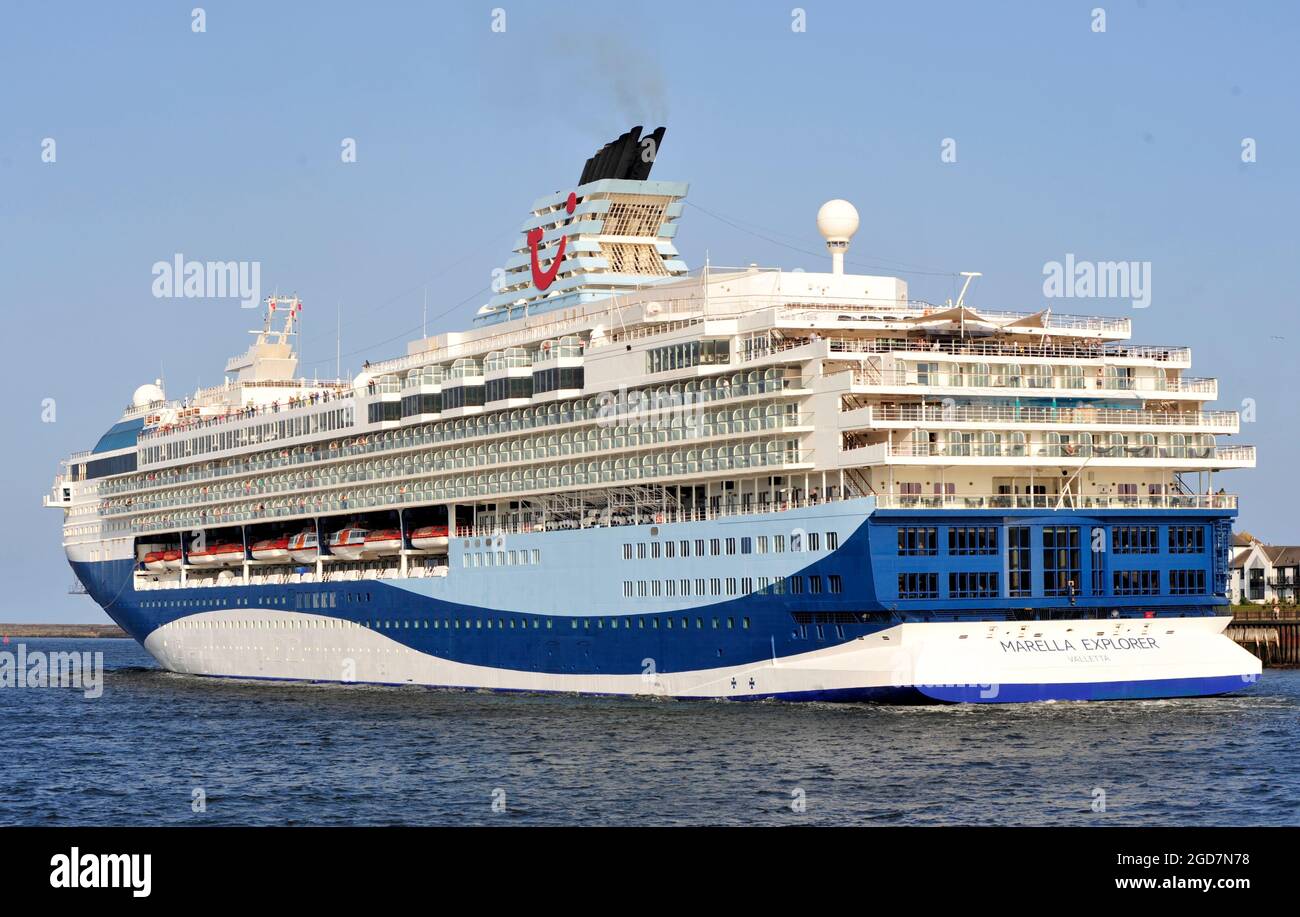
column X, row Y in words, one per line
column 890, row 378
column 869, row 453
column 1010, row 414
column 1053, row 501
column 1056, row 351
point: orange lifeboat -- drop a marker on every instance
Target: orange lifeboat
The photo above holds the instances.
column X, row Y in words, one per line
column 349, row 543
column 303, row 547
column 271, row 549
column 218, row 555
column 429, row 537
column 384, row 541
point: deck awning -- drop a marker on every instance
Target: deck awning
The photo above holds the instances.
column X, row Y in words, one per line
column 955, row 315
column 1039, row 319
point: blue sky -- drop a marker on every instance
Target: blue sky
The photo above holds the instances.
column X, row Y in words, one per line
column 1122, row 145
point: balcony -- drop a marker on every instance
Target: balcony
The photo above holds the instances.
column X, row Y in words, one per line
column 1070, row 385
column 905, row 416
column 1168, row 355
column 1032, row 453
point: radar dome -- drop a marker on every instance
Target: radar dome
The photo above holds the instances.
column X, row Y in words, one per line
column 146, row 395
column 837, row 220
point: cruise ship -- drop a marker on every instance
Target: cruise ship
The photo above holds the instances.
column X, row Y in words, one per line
column 629, row 477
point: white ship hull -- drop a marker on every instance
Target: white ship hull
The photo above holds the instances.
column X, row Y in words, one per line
column 983, row 662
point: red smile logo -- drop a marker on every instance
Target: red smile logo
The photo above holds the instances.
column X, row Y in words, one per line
column 543, row 279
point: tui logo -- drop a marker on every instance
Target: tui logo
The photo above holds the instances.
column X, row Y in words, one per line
column 543, row 279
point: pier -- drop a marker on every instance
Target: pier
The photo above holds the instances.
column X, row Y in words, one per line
column 60, row 630
column 1270, row 632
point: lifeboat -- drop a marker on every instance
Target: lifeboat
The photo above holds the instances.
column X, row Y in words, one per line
column 303, row 548
column 218, row 555
column 155, row 561
column 271, row 549
column 348, row 543
column 429, row 537
column 171, row 559
column 385, row 541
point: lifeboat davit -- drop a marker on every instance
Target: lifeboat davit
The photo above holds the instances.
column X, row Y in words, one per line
column 429, row 537
column 385, row 541
column 303, row 548
column 219, row 555
column 349, row 543
column 271, row 549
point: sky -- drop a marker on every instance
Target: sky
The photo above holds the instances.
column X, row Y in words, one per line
column 993, row 137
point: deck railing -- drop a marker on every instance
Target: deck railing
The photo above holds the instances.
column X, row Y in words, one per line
column 1063, row 451
column 1011, row 414
column 1053, row 501
column 890, row 378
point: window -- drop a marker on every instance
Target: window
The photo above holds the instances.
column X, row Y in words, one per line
column 972, row 585
column 1137, row 582
column 1098, row 561
column 796, row 585
column 1019, row 560
column 627, row 552
column 685, row 355
column 1135, row 539
column 836, row 583
column 715, row 546
column 1061, row 564
column 1187, row 582
column 832, row 541
column 914, row 540
column 1186, row 539
column 967, row 540
column 918, row 585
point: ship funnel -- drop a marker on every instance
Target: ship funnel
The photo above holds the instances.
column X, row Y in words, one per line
column 837, row 221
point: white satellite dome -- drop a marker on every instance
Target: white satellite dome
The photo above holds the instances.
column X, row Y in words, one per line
column 147, row 394
column 837, row 220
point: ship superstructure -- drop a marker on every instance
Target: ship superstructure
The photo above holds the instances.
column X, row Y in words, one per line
column 634, row 478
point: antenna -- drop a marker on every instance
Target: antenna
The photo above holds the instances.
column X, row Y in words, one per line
column 424, row 320
column 338, row 341
column 969, row 275
column 706, row 283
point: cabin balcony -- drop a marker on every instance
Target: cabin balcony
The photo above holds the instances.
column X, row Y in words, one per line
column 997, row 384
column 804, row 344
column 1038, row 453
